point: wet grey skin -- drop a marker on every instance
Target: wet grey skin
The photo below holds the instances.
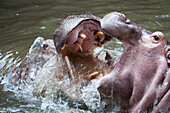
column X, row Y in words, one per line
column 141, row 68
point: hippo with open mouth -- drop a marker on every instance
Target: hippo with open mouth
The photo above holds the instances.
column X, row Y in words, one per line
column 141, row 73
column 76, row 40
column 79, row 58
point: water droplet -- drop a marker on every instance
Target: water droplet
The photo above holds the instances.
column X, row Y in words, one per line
column 43, row 27
column 166, row 83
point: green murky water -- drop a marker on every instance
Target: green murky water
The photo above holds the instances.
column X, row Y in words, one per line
column 21, row 22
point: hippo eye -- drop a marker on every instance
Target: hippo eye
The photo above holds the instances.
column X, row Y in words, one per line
column 156, row 38
column 45, row 46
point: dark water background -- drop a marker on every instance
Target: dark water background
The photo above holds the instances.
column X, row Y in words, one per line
column 22, row 21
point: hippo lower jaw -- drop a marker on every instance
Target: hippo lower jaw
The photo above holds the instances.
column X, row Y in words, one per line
column 88, row 65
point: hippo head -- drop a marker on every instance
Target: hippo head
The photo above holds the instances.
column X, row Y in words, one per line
column 76, row 39
column 118, row 25
column 142, row 65
column 48, row 49
column 40, row 52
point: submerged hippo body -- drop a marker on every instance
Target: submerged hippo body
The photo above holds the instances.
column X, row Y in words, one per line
column 141, row 67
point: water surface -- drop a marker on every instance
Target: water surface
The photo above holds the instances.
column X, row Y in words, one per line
column 21, row 22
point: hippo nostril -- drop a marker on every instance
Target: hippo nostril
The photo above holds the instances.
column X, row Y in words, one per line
column 45, row 46
column 156, row 37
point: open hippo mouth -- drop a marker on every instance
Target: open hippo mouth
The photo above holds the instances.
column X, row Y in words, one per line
column 86, row 36
column 79, row 45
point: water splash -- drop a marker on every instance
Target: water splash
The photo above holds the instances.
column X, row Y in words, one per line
column 91, row 96
column 55, row 98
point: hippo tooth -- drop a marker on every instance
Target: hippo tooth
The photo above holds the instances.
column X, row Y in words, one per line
column 104, row 70
column 82, row 36
column 81, row 49
column 63, row 47
column 100, row 43
column 99, row 33
column 69, row 68
column 93, row 75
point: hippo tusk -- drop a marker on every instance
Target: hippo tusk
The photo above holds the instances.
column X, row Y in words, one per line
column 99, row 33
column 93, row 75
column 63, row 46
column 104, row 70
column 100, row 43
column 69, row 68
column 82, row 36
column 81, row 49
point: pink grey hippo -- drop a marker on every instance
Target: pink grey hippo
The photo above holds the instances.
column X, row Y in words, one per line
column 140, row 75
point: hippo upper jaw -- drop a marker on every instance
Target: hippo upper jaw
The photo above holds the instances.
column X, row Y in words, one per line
column 118, row 25
column 85, row 38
